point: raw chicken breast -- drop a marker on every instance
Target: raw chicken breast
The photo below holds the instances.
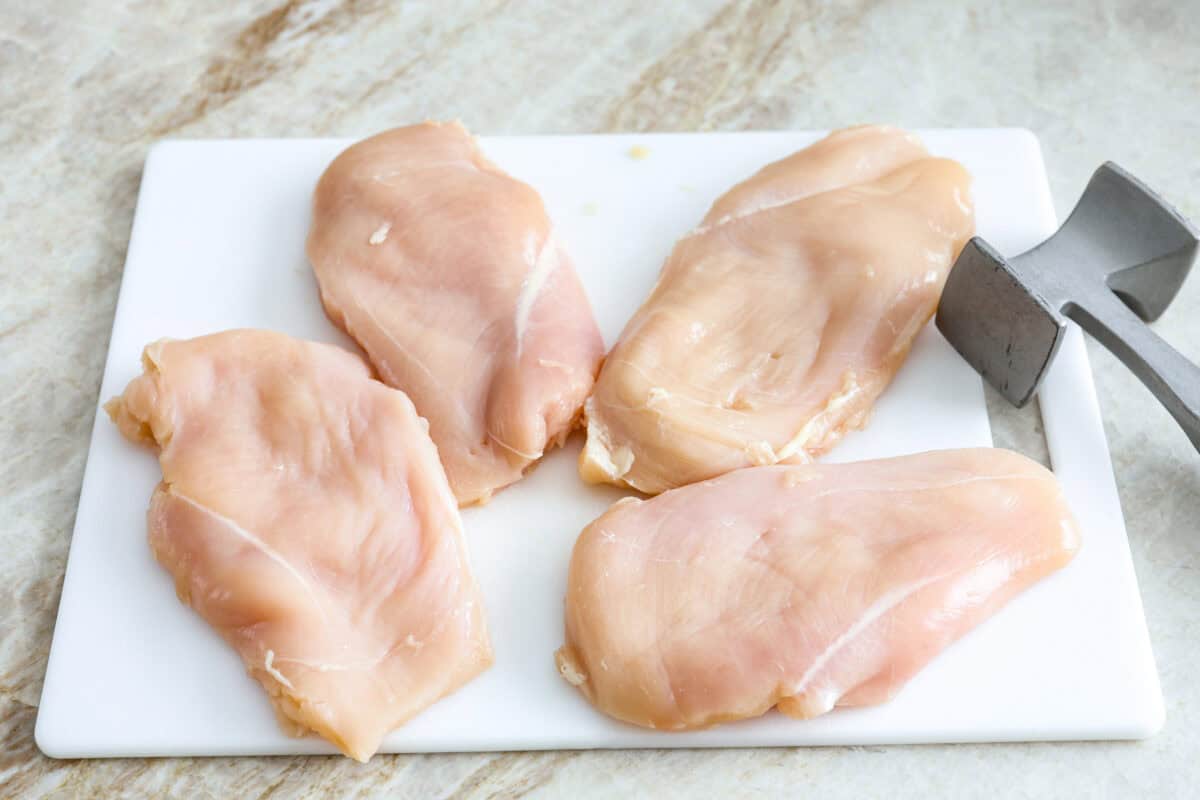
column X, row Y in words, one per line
column 776, row 324
column 303, row 513
column 449, row 274
column 803, row 587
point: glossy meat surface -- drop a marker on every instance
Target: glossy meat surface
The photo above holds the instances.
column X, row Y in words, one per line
column 449, row 274
column 803, row 587
column 304, row 515
column 776, row 324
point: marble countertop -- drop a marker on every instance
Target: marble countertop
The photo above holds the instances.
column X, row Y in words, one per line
column 87, row 87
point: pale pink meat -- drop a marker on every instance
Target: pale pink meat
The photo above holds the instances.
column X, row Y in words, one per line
column 776, row 324
column 449, row 274
column 304, row 515
column 802, row 587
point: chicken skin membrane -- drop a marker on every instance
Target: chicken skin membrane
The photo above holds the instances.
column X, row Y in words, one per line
column 801, row 587
column 776, row 324
column 449, row 274
column 304, row 515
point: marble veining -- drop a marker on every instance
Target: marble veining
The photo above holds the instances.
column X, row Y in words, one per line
column 87, row 87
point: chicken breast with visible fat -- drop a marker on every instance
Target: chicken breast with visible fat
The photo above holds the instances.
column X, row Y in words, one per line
column 776, row 324
column 802, row 587
column 304, row 515
column 450, row 275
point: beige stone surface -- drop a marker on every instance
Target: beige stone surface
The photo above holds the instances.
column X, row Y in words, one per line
column 87, row 87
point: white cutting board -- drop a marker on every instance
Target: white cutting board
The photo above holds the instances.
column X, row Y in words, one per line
column 218, row 242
